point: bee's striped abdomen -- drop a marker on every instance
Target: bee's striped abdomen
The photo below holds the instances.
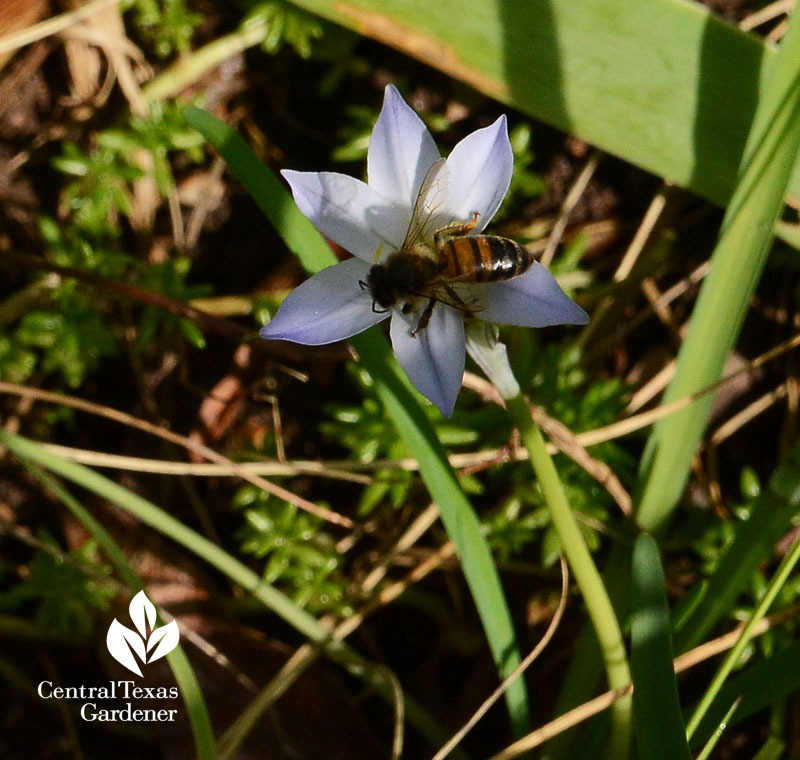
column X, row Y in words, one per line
column 483, row 258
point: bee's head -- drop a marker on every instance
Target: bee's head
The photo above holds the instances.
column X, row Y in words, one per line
column 380, row 287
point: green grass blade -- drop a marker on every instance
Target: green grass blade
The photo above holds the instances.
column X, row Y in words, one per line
column 705, row 753
column 754, row 543
column 660, row 733
column 401, row 402
column 663, row 84
column 196, row 710
column 760, row 686
column 725, row 295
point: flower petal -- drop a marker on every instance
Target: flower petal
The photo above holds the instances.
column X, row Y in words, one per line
column 434, row 360
column 348, row 211
column 480, row 173
column 328, row 307
column 534, row 299
column 401, row 150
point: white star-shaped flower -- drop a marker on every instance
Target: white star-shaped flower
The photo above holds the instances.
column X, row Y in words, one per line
column 371, row 222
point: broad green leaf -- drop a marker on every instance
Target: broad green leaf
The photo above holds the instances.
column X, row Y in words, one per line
column 402, row 403
column 663, row 84
column 660, row 733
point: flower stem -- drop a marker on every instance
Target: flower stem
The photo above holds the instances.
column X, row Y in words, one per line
column 491, row 357
column 583, row 569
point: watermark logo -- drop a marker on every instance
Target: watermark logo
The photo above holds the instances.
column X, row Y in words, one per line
column 126, row 644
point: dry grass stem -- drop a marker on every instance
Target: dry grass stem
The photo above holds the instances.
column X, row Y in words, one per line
column 568, row 206
column 347, row 470
column 570, row 444
column 518, row 671
column 306, row 654
column 768, row 13
column 652, row 387
column 564, row 440
column 412, row 534
column 643, row 233
column 661, row 308
column 604, row 701
column 179, row 440
column 750, row 412
column 777, row 33
column 630, row 257
column 696, row 276
column 53, row 25
column 202, row 469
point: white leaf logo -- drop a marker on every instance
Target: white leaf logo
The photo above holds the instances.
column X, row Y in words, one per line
column 123, row 643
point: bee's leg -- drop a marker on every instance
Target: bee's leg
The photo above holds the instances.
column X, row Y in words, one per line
column 424, row 318
column 470, row 224
column 455, row 229
column 458, row 301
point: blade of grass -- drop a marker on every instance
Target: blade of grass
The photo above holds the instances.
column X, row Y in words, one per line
column 573, row 544
column 401, row 402
column 736, row 266
column 724, row 297
column 705, row 753
column 196, row 710
column 759, row 686
column 657, row 719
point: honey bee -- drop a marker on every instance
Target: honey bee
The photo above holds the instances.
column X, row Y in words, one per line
column 432, row 263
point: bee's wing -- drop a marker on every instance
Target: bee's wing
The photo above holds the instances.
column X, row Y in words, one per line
column 449, row 292
column 431, row 198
